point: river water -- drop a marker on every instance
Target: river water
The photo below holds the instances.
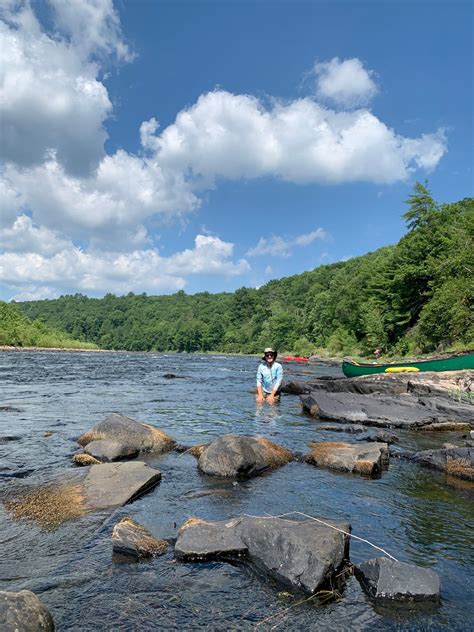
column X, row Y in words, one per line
column 414, row 513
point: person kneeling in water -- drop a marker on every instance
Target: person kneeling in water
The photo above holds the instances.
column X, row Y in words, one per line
column 269, row 377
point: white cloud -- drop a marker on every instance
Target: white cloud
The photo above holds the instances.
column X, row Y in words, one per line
column 236, row 136
column 279, row 247
column 73, row 269
column 347, row 83
column 93, row 27
column 24, row 236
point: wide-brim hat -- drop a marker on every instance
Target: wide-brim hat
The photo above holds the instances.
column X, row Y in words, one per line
column 270, row 350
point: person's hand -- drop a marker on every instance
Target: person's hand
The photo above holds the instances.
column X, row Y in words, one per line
column 260, row 399
column 271, row 398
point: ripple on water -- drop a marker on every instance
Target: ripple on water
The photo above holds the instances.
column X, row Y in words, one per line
column 412, row 513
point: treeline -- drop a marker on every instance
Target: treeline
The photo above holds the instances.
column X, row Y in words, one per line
column 19, row 331
column 414, row 297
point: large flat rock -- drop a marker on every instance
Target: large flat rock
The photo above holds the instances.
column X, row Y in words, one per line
column 403, row 411
column 103, row 486
column 388, row 580
column 115, row 484
column 303, row 554
column 361, row 458
column 241, row 455
column 130, row 433
column 24, row 612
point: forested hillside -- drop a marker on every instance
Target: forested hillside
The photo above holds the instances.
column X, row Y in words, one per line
column 416, row 296
column 19, row 331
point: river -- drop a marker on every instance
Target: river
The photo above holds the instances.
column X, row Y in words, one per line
column 411, row 512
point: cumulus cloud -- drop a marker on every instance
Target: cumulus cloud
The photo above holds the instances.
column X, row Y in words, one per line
column 279, row 247
column 24, row 236
column 50, row 99
column 72, row 268
column 93, row 27
column 347, row 83
column 237, row 136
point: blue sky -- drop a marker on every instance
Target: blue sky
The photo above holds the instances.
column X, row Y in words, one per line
column 157, row 146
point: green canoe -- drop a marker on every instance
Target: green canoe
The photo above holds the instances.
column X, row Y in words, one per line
column 451, row 363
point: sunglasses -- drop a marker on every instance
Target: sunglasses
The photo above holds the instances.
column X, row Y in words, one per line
column 269, row 355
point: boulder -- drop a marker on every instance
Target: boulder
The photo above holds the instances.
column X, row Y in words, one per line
column 360, row 458
column 405, row 411
column 104, row 486
column 454, row 461
column 128, row 432
column 388, row 580
column 132, row 539
column 295, row 388
column 305, row 555
column 8, row 438
column 239, row 455
column 24, row 612
column 108, row 450
column 10, row 409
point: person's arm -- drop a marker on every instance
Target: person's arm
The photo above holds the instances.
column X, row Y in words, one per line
column 279, row 378
column 260, row 397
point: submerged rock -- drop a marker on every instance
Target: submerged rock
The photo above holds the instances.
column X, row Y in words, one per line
column 240, row 455
column 102, row 486
column 303, row 554
column 107, row 450
column 24, row 612
column 454, row 461
column 348, row 428
column 387, row 580
column 380, row 436
column 360, row 458
column 10, row 409
column 132, row 539
column 128, row 432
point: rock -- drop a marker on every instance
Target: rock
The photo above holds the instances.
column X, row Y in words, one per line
column 239, row 455
column 132, row 539
column 8, row 438
column 303, row 554
column 295, row 388
column 85, row 459
column 131, row 433
column 348, row 428
column 170, row 376
column 454, row 461
column 107, row 450
column 405, row 411
column 381, row 436
column 48, row 433
column 360, row 458
column 102, row 486
column 446, row 426
column 115, row 484
column 24, row 612
column 387, row 580
column 10, row 409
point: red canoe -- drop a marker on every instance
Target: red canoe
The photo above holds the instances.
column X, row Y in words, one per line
column 295, row 359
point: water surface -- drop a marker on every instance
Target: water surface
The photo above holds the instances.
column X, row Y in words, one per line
column 414, row 513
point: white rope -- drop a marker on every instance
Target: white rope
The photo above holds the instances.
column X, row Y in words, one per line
column 351, row 535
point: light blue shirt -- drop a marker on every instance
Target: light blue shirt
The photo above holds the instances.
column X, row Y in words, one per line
column 269, row 377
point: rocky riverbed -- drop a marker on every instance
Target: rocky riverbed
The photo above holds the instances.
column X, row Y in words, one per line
column 216, row 480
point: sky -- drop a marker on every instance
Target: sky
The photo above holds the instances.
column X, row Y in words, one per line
column 157, row 146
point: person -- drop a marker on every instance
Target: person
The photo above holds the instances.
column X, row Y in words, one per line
column 269, row 377
column 377, row 353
